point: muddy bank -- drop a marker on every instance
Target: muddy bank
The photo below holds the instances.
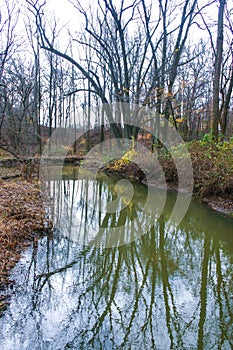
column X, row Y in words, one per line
column 211, row 185
column 220, row 205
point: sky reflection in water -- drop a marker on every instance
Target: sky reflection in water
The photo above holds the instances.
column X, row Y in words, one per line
column 170, row 288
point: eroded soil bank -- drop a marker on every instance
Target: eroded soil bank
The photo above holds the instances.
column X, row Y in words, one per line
column 212, row 167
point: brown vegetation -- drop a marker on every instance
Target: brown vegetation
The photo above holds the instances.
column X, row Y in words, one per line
column 22, row 217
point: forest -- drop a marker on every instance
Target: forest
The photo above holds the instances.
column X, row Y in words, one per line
column 173, row 58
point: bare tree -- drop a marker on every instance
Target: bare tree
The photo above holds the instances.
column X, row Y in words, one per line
column 91, row 76
column 217, row 69
column 227, row 73
column 8, row 46
column 187, row 18
column 34, row 43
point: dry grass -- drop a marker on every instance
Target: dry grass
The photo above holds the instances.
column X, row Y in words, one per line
column 22, row 216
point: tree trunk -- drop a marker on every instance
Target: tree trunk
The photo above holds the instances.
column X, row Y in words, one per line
column 217, row 70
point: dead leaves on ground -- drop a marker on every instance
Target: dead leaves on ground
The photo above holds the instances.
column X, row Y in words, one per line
column 22, row 215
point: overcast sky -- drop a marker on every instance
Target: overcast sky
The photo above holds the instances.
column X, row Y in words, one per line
column 67, row 14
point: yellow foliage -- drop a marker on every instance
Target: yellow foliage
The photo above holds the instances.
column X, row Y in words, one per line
column 82, row 141
column 125, row 89
column 129, row 155
column 179, row 120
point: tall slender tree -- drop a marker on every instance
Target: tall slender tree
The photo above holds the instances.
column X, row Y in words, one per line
column 217, row 69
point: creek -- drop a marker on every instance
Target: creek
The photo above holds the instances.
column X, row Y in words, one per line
column 116, row 276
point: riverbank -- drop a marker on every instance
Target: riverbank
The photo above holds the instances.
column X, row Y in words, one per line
column 22, row 221
column 212, row 172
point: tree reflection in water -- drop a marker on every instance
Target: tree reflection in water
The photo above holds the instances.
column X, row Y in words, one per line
column 170, row 288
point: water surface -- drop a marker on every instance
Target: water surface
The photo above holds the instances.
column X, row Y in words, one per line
column 168, row 287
